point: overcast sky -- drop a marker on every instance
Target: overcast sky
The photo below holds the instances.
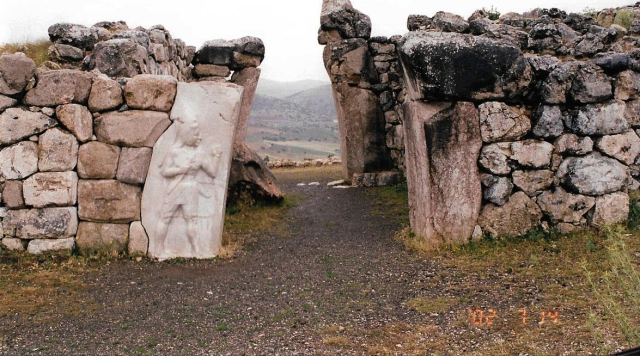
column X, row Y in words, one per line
column 287, row 27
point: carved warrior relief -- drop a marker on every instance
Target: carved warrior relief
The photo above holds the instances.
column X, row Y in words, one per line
column 184, row 198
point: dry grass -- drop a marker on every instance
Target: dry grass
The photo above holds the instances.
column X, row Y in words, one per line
column 433, row 305
column 38, row 50
column 308, row 174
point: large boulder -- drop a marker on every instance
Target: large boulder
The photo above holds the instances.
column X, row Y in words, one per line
column 51, row 189
column 500, row 122
column 452, row 66
column 151, row 92
column 19, row 161
column 74, row 35
column 133, row 165
column 16, row 70
column 108, row 201
column 120, row 58
column 606, row 118
column 17, row 124
column 58, row 151
column 135, row 128
column 52, row 223
column 448, row 22
column 590, row 85
column 533, row 182
column 593, row 174
column 236, row 54
column 98, row 160
column 563, row 207
column 341, row 20
column 624, row 147
column 611, row 209
column 64, row 53
column 77, row 119
column 350, row 61
column 628, row 85
column 38, row 246
column 442, row 148
column 106, row 94
column 59, row 87
column 517, row 217
column 250, row 180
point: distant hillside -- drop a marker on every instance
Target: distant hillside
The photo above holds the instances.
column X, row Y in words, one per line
column 318, row 100
column 310, row 105
column 282, row 90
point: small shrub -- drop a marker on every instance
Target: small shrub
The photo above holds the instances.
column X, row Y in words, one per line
column 492, row 13
column 624, row 18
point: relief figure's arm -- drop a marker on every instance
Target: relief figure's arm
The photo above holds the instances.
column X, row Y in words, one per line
column 169, row 168
column 211, row 163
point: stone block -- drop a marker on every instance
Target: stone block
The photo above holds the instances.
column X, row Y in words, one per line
column 151, row 92
column 59, row 87
column 517, row 217
column 563, row 207
column 77, row 119
column 14, row 244
column 106, row 94
column 120, row 57
column 12, row 194
column 97, row 160
column 16, row 70
column 37, row 247
column 593, row 174
column 133, row 165
column 19, row 161
column 499, row 122
column 108, row 201
column 136, row 128
column 17, row 124
column 611, row 209
column 58, row 151
column 47, row 223
column 94, row 237
column 51, row 189
column 623, row 147
column 138, row 239
column 248, row 79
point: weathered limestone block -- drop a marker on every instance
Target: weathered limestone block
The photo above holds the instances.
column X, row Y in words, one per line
column 47, row 223
column 565, row 207
column 448, row 22
column 497, row 189
column 611, row 209
column 495, row 158
column 74, row 35
column 500, row 122
column 17, row 124
column 138, row 239
column 419, row 22
column 184, row 196
column 58, row 151
column 347, row 22
column 211, row 70
column 350, row 61
column 12, row 194
column 517, row 217
column 6, row 102
column 548, row 122
column 632, row 114
column 64, row 53
column 628, row 86
column 236, row 54
column 248, row 79
column 16, row 70
column 133, row 165
column 106, row 94
column 102, row 237
column 37, row 247
column 556, row 86
column 151, row 92
column 362, row 135
column 97, row 160
column 136, row 128
column 59, row 87
column 120, row 58
column 108, row 201
column 250, row 179
column 573, row 144
column 442, row 148
column 599, row 119
column 51, row 189
column 217, row 52
column 593, row 174
column 590, row 85
column 533, row 182
column 452, row 66
column 14, row 244
column 19, row 161
column 624, row 147
column 532, row 153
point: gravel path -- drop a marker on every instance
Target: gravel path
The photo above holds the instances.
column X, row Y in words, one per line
column 335, row 283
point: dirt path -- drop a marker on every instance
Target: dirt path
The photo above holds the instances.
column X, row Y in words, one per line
column 334, row 283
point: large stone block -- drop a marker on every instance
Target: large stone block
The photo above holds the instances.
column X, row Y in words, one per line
column 452, row 66
column 611, row 209
column 58, row 151
column 97, row 160
column 599, row 119
column 108, row 201
column 12, row 194
column 236, row 54
column 624, row 147
column 106, row 94
column 341, row 17
column 248, row 79
column 499, row 122
column 362, row 135
column 628, row 86
column 13, row 244
column 47, row 223
column 37, row 247
column 59, row 87
column 350, row 61
column 184, row 196
column 120, row 58
column 17, row 124
column 151, row 92
column 51, row 189
column 533, row 182
column 19, row 161
column 74, row 35
column 532, row 153
column 16, row 70
column 77, row 119
column 102, row 237
column 593, row 174
column 136, row 128
column 6, row 102
column 565, row 207
column 138, row 239
column 519, row 216
column 133, row 165
column 442, row 148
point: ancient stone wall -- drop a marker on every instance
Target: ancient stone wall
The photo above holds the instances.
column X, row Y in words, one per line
column 505, row 125
column 77, row 134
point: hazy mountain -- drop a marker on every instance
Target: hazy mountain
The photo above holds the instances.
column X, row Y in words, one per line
column 317, row 100
column 281, row 90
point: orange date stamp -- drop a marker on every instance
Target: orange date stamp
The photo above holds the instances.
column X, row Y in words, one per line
column 487, row 316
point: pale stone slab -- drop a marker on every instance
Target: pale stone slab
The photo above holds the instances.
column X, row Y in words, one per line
column 58, row 151
column 519, row 216
column 19, row 161
column 13, row 244
column 184, row 197
column 77, row 119
column 51, row 189
column 108, row 201
column 37, row 247
column 611, row 209
column 151, row 92
column 12, row 194
column 97, row 160
column 59, row 87
column 135, row 128
column 53, row 223
column 17, row 124
column 102, row 237
column 248, row 79
column 138, row 239
column 106, row 94
column 6, row 102
column 133, row 165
